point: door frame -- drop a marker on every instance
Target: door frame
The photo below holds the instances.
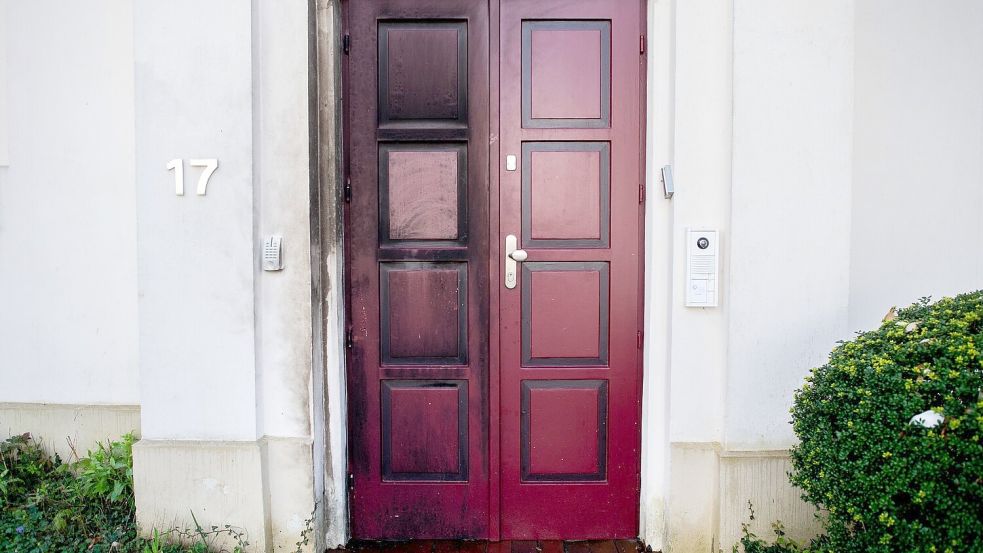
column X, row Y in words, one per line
column 329, row 405
column 328, row 167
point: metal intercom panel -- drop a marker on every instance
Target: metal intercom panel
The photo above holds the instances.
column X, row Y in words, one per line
column 702, row 267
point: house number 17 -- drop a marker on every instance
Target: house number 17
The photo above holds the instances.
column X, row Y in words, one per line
column 177, row 165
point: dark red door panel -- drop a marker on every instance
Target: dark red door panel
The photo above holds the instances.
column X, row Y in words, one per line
column 476, row 410
column 570, row 378
column 417, row 253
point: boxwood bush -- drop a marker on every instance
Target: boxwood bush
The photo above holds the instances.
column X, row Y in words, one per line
column 886, row 482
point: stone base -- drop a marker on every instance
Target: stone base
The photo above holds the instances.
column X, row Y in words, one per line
column 69, row 429
column 264, row 487
column 761, row 477
column 709, row 491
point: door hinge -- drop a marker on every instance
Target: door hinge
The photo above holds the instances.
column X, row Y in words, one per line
column 349, row 339
column 641, row 193
column 346, row 44
column 641, row 44
column 639, row 339
column 351, row 482
column 348, row 190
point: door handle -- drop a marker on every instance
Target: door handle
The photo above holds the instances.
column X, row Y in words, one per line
column 513, row 256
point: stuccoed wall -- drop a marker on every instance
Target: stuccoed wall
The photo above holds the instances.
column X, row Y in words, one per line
column 225, row 348
column 68, row 241
column 918, row 169
column 851, row 180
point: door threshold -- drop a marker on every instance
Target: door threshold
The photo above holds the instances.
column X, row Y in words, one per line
column 485, row 546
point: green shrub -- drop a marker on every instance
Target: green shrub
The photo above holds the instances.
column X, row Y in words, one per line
column 51, row 506
column 888, row 484
column 107, row 472
column 88, row 506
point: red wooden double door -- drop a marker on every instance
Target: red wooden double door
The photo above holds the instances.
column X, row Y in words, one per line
column 494, row 388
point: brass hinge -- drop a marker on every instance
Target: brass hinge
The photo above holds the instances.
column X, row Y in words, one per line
column 641, row 44
column 351, row 482
column 348, row 190
column 641, row 193
column 639, row 339
column 346, row 44
column 349, row 339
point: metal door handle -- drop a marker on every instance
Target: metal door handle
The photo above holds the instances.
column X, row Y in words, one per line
column 513, row 256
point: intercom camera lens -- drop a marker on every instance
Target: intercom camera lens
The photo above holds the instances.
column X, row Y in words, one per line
column 702, row 243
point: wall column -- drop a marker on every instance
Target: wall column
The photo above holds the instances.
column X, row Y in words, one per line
column 225, row 347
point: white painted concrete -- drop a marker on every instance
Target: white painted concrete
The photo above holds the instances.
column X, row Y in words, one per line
column 226, row 347
column 282, row 177
column 701, row 155
column 194, row 98
column 68, row 283
column 658, row 276
column 4, row 140
column 790, row 240
column 694, row 132
column 918, row 151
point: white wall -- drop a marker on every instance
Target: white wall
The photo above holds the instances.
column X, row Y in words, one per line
column 225, row 347
column 68, row 285
column 790, row 240
column 283, row 179
column 658, row 276
column 4, row 127
column 194, row 99
column 918, row 151
column 701, row 153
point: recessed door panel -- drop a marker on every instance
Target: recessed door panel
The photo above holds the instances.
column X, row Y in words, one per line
column 423, row 72
column 565, row 316
column 564, row 430
column 566, row 194
column 424, row 430
column 423, row 193
column 566, row 73
column 424, row 313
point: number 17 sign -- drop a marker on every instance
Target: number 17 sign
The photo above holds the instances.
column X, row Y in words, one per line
column 210, row 165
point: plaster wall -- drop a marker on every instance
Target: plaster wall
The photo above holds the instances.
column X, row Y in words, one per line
column 194, row 99
column 68, row 269
column 282, row 185
column 761, row 125
column 790, row 244
column 658, row 275
column 918, row 168
column 701, row 163
column 3, row 86
column 226, row 348
column 690, row 127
